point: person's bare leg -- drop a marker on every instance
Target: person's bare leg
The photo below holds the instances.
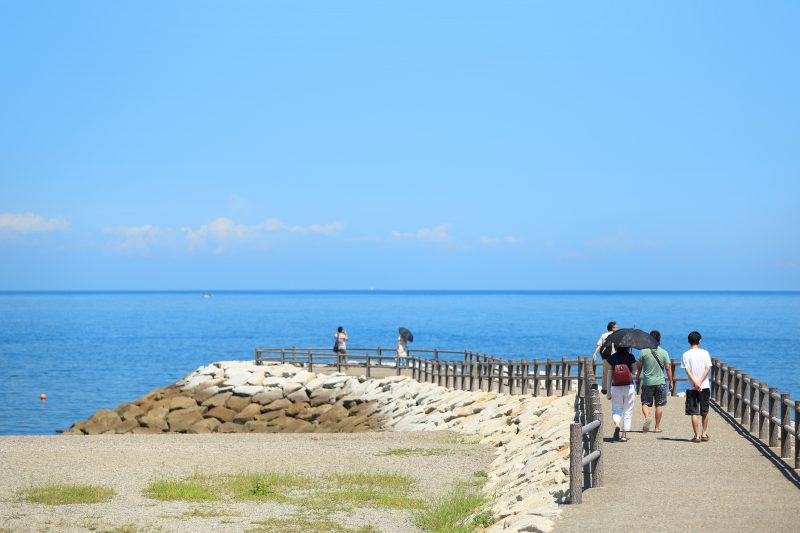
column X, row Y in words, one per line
column 646, row 411
column 705, row 426
column 659, row 413
column 694, row 426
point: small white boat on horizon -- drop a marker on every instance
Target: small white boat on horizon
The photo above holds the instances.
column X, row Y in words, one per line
column 206, row 295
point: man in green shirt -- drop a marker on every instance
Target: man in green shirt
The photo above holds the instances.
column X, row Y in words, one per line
column 654, row 362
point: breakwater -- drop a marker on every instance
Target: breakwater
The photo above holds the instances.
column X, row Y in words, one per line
column 527, row 480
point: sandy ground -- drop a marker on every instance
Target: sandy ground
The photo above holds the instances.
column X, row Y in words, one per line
column 127, row 463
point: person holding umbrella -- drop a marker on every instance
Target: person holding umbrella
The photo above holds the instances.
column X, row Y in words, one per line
column 619, row 375
column 402, row 341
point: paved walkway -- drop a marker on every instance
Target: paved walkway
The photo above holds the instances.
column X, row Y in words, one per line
column 665, row 482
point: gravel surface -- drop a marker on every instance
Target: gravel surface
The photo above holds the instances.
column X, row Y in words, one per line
column 127, row 463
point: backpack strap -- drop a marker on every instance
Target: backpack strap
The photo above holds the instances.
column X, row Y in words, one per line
column 655, row 356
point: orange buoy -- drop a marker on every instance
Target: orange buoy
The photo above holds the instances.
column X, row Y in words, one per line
column 43, row 396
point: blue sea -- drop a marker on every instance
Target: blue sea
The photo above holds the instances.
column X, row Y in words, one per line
column 91, row 350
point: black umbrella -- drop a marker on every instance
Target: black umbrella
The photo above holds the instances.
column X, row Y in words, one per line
column 630, row 338
column 406, row 334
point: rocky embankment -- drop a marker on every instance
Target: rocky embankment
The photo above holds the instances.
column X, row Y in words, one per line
column 527, row 480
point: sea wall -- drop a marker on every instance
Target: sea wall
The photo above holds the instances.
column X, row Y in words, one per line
column 526, row 481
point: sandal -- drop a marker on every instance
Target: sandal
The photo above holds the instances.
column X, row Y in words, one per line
column 695, row 439
column 704, row 438
column 657, row 431
column 623, row 439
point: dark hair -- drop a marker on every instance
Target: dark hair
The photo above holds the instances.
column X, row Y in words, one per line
column 611, row 325
column 623, row 349
column 656, row 335
column 694, row 338
column 340, row 329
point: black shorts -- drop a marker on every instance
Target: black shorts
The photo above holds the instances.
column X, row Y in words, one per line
column 697, row 402
column 657, row 392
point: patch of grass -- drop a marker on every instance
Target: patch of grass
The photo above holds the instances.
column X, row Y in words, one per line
column 92, row 523
column 201, row 513
column 425, row 452
column 382, row 490
column 305, row 525
column 480, row 474
column 127, row 528
column 460, row 512
column 195, row 489
column 65, row 494
column 265, row 486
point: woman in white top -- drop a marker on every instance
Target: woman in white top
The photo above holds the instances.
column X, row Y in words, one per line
column 402, row 347
column 341, row 340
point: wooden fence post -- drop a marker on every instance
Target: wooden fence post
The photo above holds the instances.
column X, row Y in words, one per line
column 745, row 399
column 786, row 418
column 763, row 418
column 564, row 375
column 575, row 463
column 731, row 389
column 310, row 361
column 596, row 442
column 525, row 376
column 773, row 413
column 549, row 377
column 536, row 377
column 294, row 355
column 723, row 376
column 283, row 356
column 755, row 404
column 737, row 395
column 369, row 374
column 510, row 376
column 797, row 434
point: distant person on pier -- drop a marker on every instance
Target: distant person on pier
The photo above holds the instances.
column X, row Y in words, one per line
column 653, row 362
column 621, row 364
column 340, row 341
column 402, row 346
column 611, row 327
column 697, row 363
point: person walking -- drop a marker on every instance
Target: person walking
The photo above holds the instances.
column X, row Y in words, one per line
column 402, row 346
column 340, row 342
column 653, row 362
column 697, row 363
column 611, row 327
column 622, row 392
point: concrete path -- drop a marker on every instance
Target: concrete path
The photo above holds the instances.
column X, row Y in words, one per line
column 665, row 482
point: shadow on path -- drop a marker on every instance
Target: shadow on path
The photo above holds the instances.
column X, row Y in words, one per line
column 777, row 461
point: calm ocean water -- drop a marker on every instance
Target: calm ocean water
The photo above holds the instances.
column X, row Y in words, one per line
column 93, row 350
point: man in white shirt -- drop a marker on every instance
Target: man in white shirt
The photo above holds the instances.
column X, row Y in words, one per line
column 611, row 328
column 697, row 363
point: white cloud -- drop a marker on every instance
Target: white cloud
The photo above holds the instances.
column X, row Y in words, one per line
column 438, row 234
column 29, row 223
column 493, row 241
column 222, row 231
column 134, row 240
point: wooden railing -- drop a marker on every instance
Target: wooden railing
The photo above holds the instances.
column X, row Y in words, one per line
column 586, row 434
column 763, row 411
column 469, row 371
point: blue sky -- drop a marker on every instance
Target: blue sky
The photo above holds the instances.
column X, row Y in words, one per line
column 407, row 145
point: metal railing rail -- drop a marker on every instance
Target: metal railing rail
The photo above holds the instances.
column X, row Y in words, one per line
column 763, row 411
column 591, row 431
column 471, row 371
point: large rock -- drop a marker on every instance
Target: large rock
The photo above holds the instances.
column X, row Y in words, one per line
column 206, row 393
column 298, row 396
column 145, row 431
column 321, row 395
column 126, row 425
column 181, row 419
column 248, row 413
column 291, row 386
column 281, row 404
column 181, row 402
column 296, row 408
column 247, row 390
column 218, row 400
column 334, row 414
column 131, row 412
column 237, row 403
column 223, row 414
column 101, row 421
column 230, row 427
column 268, row 396
column 206, row 425
column 156, row 418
